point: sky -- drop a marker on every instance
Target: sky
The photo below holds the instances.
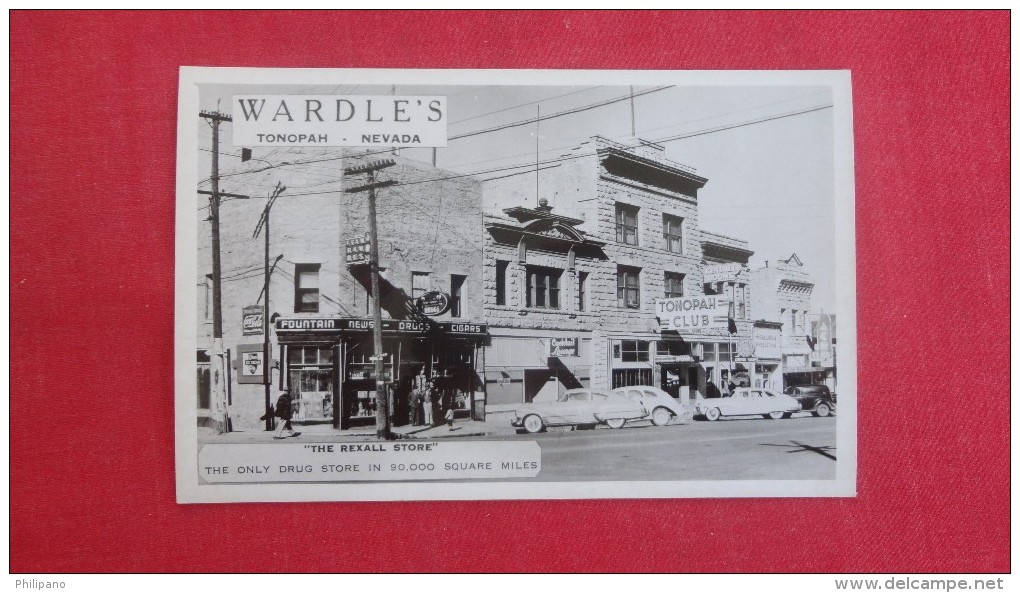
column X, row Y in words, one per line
column 767, row 151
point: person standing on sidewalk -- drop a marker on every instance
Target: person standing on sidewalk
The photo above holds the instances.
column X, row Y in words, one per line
column 284, row 411
column 427, row 404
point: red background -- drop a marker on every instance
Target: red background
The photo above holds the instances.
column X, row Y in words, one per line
column 93, row 120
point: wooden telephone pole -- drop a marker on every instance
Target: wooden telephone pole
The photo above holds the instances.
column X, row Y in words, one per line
column 219, row 394
column 382, row 414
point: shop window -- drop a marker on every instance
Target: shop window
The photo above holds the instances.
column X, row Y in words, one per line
column 311, row 381
column 501, row 267
column 674, row 285
column 582, row 291
column 629, row 377
column 543, row 287
column 456, row 294
column 628, row 287
column 632, row 351
column 306, row 288
column 419, row 284
column 626, row 224
column 672, row 233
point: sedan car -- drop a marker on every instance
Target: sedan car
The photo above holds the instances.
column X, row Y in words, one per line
column 662, row 408
column 578, row 407
column 749, row 401
column 816, row 399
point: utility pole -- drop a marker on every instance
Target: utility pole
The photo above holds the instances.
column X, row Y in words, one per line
column 218, row 387
column 266, row 352
column 382, row 415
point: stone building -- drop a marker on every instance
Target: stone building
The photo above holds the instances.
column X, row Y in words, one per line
column 783, row 297
column 615, row 228
column 319, row 312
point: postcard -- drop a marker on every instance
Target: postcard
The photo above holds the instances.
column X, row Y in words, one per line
column 514, row 284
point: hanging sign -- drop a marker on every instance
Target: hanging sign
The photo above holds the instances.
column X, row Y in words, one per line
column 685, row 313
column 252, row 320
column 358, row 250
column 433, row 303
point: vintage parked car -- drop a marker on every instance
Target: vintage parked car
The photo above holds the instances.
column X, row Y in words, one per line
column 749, row 401
column 816, row 399
column 662, row 408
column 578, row 407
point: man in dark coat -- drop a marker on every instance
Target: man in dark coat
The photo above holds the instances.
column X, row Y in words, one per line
column 284, row 411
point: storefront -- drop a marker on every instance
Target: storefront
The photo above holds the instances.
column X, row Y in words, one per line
column 331, row 373
column 768, row 355
column 535, row 366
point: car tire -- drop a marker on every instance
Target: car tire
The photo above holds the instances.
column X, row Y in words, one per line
column 712, row 414
column 533, row 423
column 661, row 416
column 775, row 415
column 822, row 410
column 787, row 415
column 616, row 422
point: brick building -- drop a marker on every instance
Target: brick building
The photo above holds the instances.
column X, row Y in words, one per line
column 430, row 237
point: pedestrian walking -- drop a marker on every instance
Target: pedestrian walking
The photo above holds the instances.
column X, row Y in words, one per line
column 284, row 411
column 449, row 417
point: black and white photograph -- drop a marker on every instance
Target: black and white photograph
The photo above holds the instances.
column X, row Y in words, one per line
column 427, row 284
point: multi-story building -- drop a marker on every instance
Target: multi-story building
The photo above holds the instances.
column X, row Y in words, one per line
column 612, row 228
column 782, row 296
column 319, row 312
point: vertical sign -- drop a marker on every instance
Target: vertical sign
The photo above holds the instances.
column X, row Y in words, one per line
column 252, row 320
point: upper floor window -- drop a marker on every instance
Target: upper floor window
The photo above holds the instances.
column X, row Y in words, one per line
column 628, row 287
column 672, row 233
column 626, row 224
column 582, row 290
column 740, row 297
column 631, row 351
column 543, row 287
column 306, row 288
column 456, row 294
column 674, row 285
column 419, row 284
column 501, row 267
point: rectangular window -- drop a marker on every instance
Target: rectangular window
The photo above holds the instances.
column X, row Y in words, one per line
column 674, row 285
column 626, row 224
column 582, row 290
column 419, row 284
column 672, row 233
column 456, row 293
column 543, row 287
column 741, row 302
column 306, row 288
column 633, row 350
column 628, row 377
column 628, row 287
column 501, row 281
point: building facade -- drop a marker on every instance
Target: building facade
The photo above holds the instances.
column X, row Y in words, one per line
column 626, row 220
column 319, row 310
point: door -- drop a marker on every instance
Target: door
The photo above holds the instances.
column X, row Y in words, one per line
column 540, row 386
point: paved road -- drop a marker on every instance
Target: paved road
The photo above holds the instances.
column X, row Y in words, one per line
column 803, row 447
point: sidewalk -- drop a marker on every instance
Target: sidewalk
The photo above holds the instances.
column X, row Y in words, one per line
column 497, row 423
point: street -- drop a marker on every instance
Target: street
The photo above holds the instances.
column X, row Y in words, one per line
column 803, row 447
